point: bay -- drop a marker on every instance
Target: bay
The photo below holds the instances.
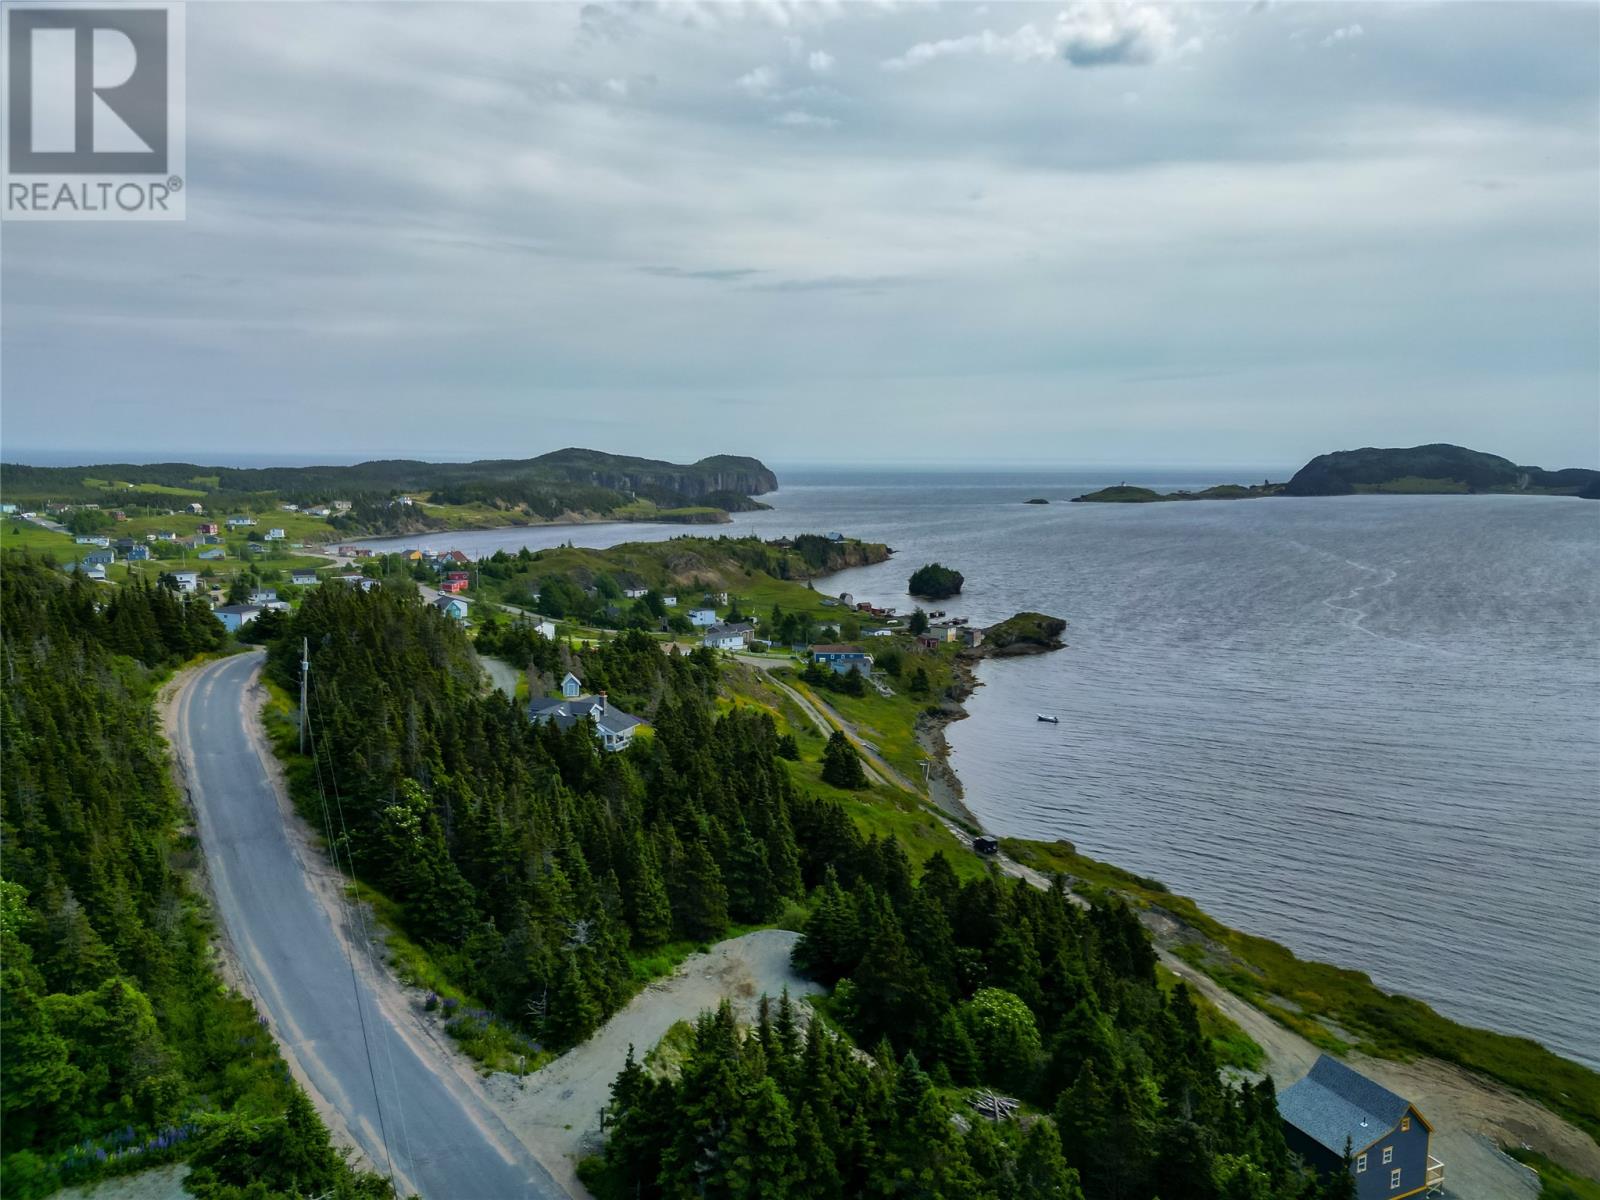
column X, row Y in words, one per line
column 1367, row 727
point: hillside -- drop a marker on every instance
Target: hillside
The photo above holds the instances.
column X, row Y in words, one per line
column 570, row 484
column 1433, row 468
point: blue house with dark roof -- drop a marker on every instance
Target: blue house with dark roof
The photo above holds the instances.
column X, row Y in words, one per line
column 1335, row 1108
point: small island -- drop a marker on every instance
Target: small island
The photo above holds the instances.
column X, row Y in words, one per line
column 1037, row 500
column 1436, row 469
column 1125, row 494
column 935, row 582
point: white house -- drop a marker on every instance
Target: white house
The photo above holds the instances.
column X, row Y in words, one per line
column 880, row 633
column 634, row 593
column 263, row 596
column 670, row 601
column 727, row 637
column 275, row 535
column 704, row 618
column 235, row 616
column 240, row 522
column 303, row 578
column 92, row 540
column 187, row 581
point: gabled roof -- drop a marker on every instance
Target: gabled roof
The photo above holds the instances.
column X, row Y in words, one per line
column 836, row 649
column 567, row 713
column 1334, row 1105
column 737, row 627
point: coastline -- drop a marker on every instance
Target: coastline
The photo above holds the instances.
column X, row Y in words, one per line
column 565, row 519
column 1487, row 1081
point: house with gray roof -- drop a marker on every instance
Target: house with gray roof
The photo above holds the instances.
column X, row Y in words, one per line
column 728, row 637
column 1335, row 1110
column 611, row 725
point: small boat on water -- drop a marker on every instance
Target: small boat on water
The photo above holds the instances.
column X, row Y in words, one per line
column 1052, row 720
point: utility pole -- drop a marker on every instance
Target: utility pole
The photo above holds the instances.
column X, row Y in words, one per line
column 305, row 676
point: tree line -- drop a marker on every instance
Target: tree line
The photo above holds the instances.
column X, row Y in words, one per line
column 120, row 1047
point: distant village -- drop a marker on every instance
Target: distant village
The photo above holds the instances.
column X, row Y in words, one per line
column 225, row 549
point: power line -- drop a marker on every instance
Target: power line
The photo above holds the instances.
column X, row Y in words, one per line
column 355, row 986
column 361, row 915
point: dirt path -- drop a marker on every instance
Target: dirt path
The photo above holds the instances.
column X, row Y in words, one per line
column 558, row 1107
column 826, row 718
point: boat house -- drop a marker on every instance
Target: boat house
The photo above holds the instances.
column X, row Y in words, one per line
column 1335, row 1109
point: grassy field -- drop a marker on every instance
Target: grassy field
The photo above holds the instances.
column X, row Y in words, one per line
column 1555, row 1181
column 154, row 488
column 1317, row 999
column 17, row 534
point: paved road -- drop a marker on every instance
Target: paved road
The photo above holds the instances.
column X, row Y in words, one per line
column 443, row 1139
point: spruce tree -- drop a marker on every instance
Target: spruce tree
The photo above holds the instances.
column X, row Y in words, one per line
column 841, row 766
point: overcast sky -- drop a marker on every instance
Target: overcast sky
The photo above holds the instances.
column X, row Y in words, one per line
column 1119, row 234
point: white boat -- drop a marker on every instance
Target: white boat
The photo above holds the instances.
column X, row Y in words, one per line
column 1052, row 720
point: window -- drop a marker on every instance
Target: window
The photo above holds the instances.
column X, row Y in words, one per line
column 1394, row 1179
column 1405, row 1124
column 1361, row 1164
column 1388, row 1155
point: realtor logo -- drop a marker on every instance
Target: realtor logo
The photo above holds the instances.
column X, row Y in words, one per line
column 94, row 124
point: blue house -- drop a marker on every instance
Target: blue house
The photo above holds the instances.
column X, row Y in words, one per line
column 138, row 553
column 843, row 659
column 1335, row 1108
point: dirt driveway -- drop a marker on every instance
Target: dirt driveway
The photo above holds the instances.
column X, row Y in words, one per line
column 558, row 1108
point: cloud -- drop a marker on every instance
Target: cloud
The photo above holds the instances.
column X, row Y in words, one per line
column 820, row 62
column 759, row 81
column 710, row 274
column 1347, row 33
column 618, row 88
column 797, row 118
column 1093, row 35
column 1088, row 34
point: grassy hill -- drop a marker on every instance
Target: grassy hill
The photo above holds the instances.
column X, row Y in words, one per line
column 565, row 484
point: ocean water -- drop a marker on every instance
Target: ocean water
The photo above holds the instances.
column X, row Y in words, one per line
column 1367, row 727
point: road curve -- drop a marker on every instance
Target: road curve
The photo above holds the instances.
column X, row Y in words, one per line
column 443, row 1140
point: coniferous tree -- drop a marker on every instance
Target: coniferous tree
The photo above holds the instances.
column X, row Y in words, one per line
column 841, row 765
